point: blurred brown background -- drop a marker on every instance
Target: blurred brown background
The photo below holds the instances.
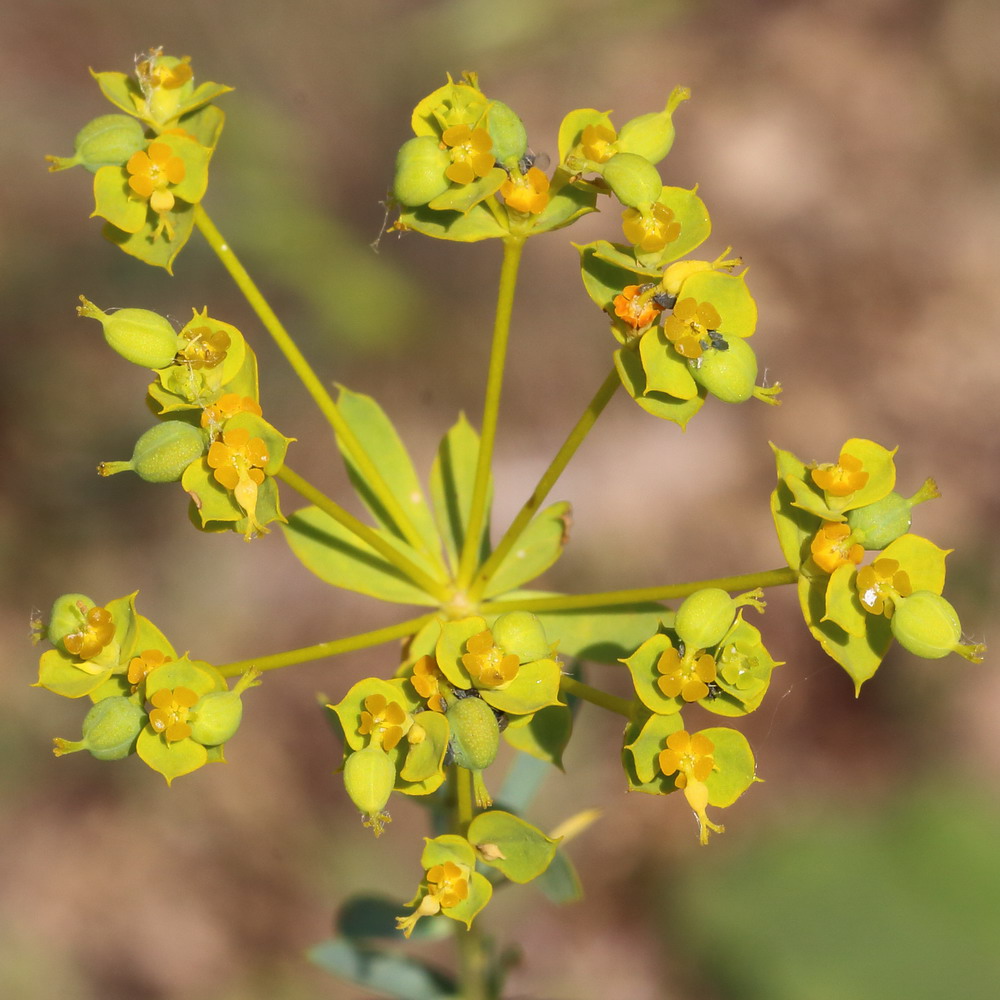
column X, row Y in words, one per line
column 850, row 153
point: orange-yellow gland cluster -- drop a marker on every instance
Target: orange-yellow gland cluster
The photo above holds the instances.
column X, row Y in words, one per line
column 426, row 682
column 238, row 460
column 636, row 306
column 528, row 193
column 205, row 348
column 842, row 479
column 488, row 665
column 690, row 756
column 471, row 155
column 689, row 325
column 227, row 406
column 651, row 229
column 170, row 712
column 688, row 675
column 383, row 721
column 832, row 547
column 880, row 584
column 447, row 884
column 139, row 666
column 152, row 171
column 97, row 631
column 597, row 143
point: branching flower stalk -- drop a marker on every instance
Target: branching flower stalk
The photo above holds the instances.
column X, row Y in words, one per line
column 490, row 660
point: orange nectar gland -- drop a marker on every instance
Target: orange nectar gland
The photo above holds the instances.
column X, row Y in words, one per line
column 597, row 143
column 139, row 666
column 151, row 172
column 447, row 886
column 383, row 721
column 880, row 584
column 528, row 193
column 832, row 546
column 97, row 631
column 689, row 325
column 205, row 348
column 227, row 406
column 170, row 712
column 652, row 229
column 470, row 153
column 488, row 665
column 636, row 306
column 238, row 461
column 690, row 757
column 842, row 479
column 426, row 682
column 688, row 675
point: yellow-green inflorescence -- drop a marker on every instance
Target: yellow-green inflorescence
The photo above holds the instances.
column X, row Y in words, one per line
column 829, row 515
column 175, row 713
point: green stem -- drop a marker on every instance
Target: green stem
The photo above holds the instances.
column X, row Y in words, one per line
column 612, row 598
column 333, row 648
column 594, row 409
column 308, row 377
column 585, row 692
column 474, row 970
column 512, row 246
column 365, row 534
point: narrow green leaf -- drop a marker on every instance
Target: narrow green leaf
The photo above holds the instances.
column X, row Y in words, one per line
column 388, row 454
column 341, row 559
column 452, row 477
column 388, row 974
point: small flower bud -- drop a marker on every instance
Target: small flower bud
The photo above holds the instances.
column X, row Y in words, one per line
column 520, row 632
column 110, row 730
column 475, row 733
column 107, row 141
column 162, row 453
column 420, row 171
column 634, row 180
column 138, row 335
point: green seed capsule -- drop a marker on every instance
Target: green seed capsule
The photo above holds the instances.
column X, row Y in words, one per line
column 420, row 167
column 510, row 140
column 68, row 616
column 107, row 141
column 520, row 632
column 882, row 522
column 926, row 624
column 475, row 734
column 110, row 730
column 138, row 335
column 216, row 717
column 728, row 375
column 652, row 135
column 162, row 453
column 368, row 777
column 705, row 617
column 634, row 180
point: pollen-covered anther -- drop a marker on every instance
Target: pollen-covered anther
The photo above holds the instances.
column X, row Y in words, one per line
column 170, row 712
column 139, row 666
column 637, row 306
column 152, row 171
column 651, row 229
column 205, row 348
column 833, row 546
column 528, row 193
column 97, row 631
column 426, row 681
column 383, row 720
column 843, row 479
column 879, row 584
column 687, row 675
column 488, row 665
column 471, row 155
column 689, row 325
